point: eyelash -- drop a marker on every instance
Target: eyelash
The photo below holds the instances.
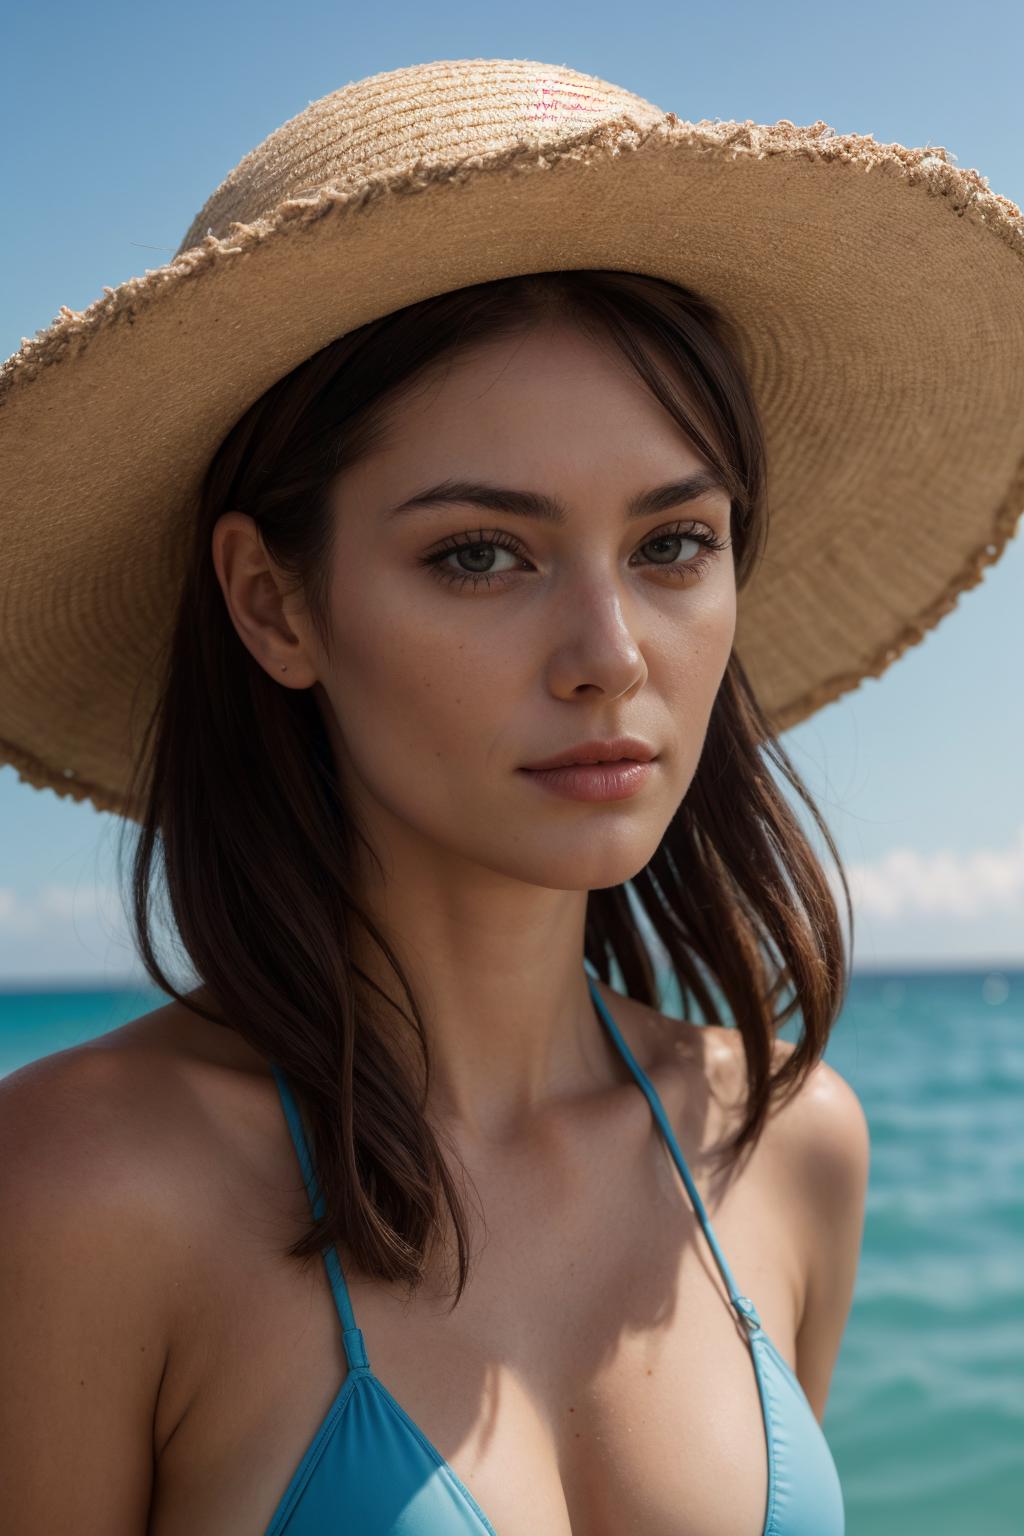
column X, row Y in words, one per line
column 483, row 539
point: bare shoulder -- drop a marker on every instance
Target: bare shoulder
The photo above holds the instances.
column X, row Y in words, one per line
column 93, row 1120
column 113, row 1133
column 141, row 1102
column 824, row 1125
column 74, row 1102
column 821, row 1131
column 92, row 1265
column 817, row 1152
column 813, row 1157
column 817, row 1140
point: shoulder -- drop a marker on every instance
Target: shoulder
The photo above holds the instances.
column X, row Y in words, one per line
column 817, row 1141
column 822, row 1134
column 87, row 1120
column 101, row 1151
column 813, row 1158
column 122, row 1131
column 821, row 1157
column 94, row 1271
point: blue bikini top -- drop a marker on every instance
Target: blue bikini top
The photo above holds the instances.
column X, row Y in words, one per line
column 370, row 1470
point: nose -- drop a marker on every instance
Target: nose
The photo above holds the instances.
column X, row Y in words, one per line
column 595, row 639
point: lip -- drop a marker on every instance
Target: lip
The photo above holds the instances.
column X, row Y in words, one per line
column 592, row 781
column 612, row 751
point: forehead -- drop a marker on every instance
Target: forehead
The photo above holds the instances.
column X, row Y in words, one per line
column 553, row 396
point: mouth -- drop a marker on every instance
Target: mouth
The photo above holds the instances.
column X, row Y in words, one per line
column 589, row 762
column 590, row 754
column 607, row 779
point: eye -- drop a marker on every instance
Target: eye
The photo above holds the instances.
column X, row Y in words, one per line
column 474, row 549
column 687, row 568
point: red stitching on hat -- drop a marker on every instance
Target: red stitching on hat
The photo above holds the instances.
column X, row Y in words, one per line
column 553, row 97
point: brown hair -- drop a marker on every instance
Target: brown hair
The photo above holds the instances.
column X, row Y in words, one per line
column 259, row 866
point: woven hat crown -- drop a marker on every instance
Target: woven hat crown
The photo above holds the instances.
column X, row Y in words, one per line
column 427, row 115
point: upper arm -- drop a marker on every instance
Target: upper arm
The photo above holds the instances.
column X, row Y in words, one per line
column 827, row 1149
column 83, row 1332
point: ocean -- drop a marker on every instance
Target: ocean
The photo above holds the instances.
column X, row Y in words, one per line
column 926, row 1413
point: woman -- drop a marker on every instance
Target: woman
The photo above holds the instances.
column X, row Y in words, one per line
column 501, row 519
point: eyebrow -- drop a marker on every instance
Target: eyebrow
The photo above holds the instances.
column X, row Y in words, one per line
column 551, row 509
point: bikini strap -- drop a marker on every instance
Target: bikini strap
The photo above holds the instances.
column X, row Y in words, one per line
column 351, row 1336
column 743, row 1304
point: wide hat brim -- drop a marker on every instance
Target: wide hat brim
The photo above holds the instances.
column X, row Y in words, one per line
column 877, row 293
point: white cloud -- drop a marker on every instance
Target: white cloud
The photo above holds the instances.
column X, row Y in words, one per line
column 22, row 914
column 904, row 883
column 62, row 929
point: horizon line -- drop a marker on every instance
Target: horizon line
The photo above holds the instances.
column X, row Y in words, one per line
column 59, row 985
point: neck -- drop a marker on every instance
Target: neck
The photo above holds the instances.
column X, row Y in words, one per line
column 512, row 1031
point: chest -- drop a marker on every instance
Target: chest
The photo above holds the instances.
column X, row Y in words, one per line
column 592, row 1380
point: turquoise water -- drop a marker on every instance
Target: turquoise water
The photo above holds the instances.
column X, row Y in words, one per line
column 926, row 1413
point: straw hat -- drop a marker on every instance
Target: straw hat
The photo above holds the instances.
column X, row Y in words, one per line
column 878, row 292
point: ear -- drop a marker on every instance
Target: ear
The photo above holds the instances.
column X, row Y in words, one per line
column 260, row 600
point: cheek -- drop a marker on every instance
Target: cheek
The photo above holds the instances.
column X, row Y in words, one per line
column 696, row 654
column 405, row 683
column 720, row 635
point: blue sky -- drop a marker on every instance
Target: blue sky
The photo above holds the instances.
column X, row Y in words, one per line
column 122, row 119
